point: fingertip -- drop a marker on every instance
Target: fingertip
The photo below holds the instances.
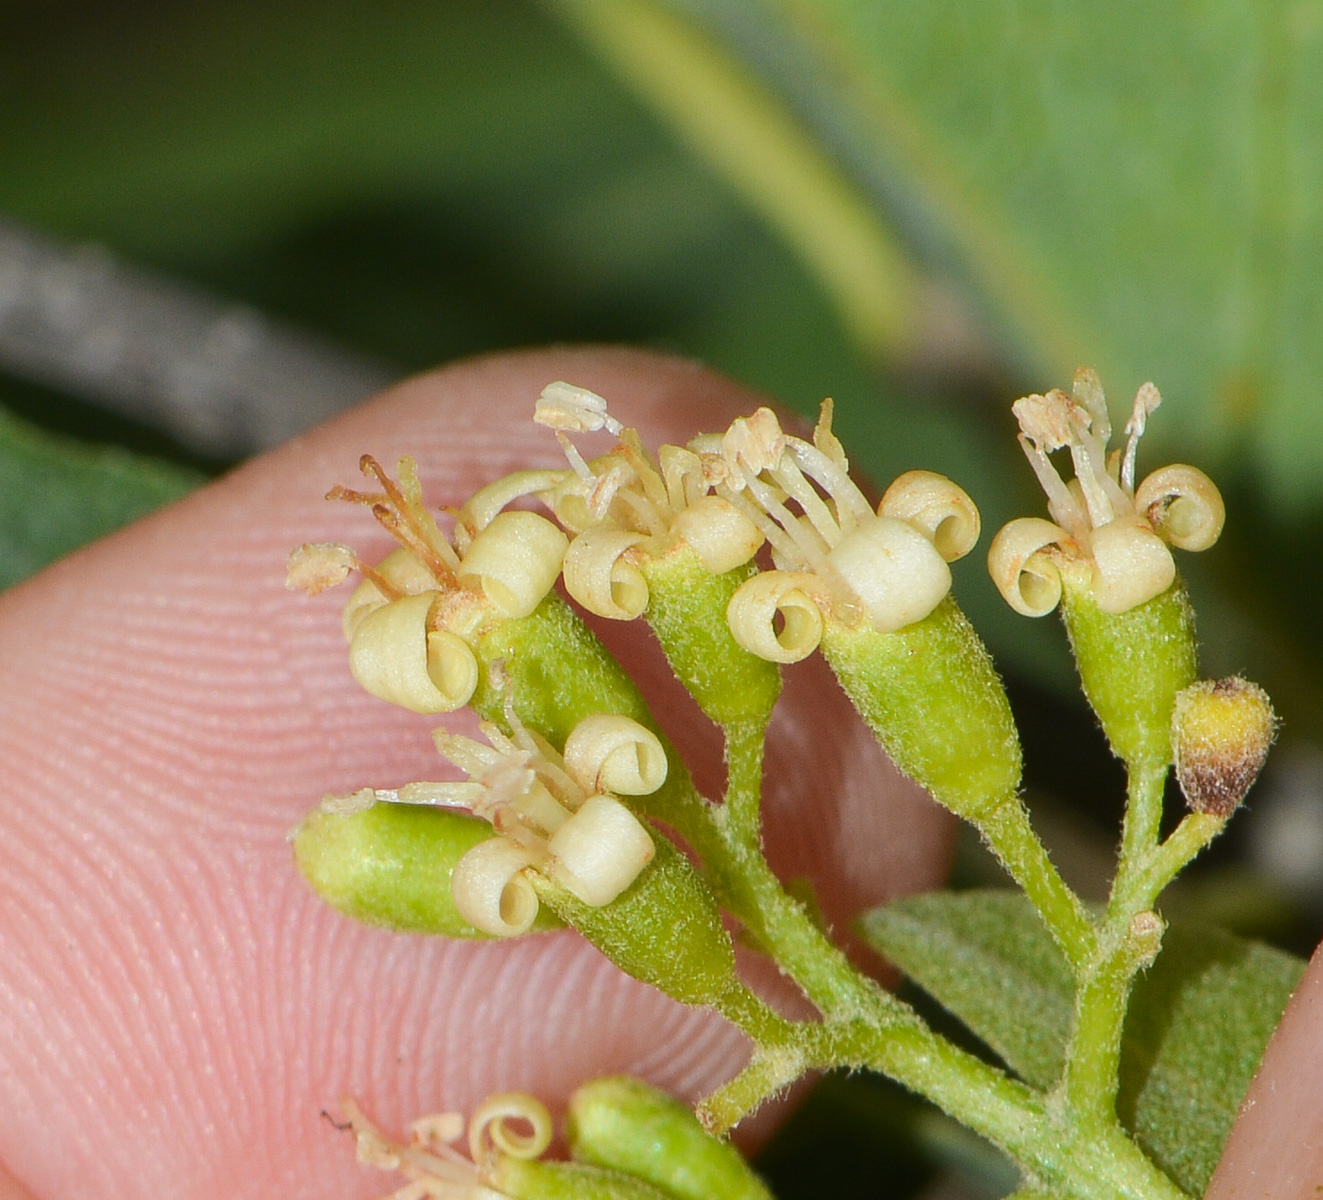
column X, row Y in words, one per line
column 1275, row 1151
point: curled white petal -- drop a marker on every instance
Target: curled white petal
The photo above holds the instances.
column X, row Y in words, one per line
column 894, row 570
column 452, row 668
column 773, row 616
column 490, row 890
column 515, row 560
column 600, row 576
column 482, row 507
column 1028, row 579
column 394, row 656
column 1183, row 505
column 612, row 753
column 401, row 569
column 493, row 1121
column 936, row 507
column 1131, row 564
column 723, row 537
column 599, row 851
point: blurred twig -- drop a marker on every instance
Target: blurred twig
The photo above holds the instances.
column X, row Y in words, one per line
column 219, row 377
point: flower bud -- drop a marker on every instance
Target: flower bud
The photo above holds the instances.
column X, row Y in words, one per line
column 1220, row 734
column 623, row 1124
column 391, row 865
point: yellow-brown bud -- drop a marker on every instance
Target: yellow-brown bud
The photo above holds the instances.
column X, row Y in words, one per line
column 1221, row 732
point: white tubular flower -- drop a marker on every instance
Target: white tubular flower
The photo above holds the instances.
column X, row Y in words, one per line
column 625, row 508
column 835, row 555
column 512, row 1125
column 555, row 815
column 1102, row 525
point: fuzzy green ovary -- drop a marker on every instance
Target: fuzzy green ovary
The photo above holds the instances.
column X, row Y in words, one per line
column 391, row 865
column 1131, row 665
column 665, row 929
column 687, row 611
column 535, row 1179
column 557, row 672
column 932, row 697
column 624, row 1124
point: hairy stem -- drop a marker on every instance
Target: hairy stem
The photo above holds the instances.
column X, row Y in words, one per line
column 1007, row 830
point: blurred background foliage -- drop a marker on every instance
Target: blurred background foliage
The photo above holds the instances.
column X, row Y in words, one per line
column 922, row 210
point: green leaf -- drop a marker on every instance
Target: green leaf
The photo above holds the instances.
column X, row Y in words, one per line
column 988, row 958
column 1197, row 1027
column 56, row 494
column 1124, row 185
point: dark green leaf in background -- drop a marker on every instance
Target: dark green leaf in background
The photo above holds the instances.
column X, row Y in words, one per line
column 1199, row 1019
column 1127, row 185
column 56, row 494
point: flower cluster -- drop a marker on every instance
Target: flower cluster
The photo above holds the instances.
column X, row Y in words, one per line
column 1105, row 532
column 845, row 574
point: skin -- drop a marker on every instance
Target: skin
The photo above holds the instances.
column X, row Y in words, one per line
column 176, row 1007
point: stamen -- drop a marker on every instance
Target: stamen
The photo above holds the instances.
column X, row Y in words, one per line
column 788, row 475
column 753, row 443
column 574, row 458
column 851, row 506
column 412, row 492
column 1147, row 400
column 825, row 440
column 1089, row 456
column 781, row 542
column 638, row 458
column 1087, row 391
column 1044, row 427
column 805, row 552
